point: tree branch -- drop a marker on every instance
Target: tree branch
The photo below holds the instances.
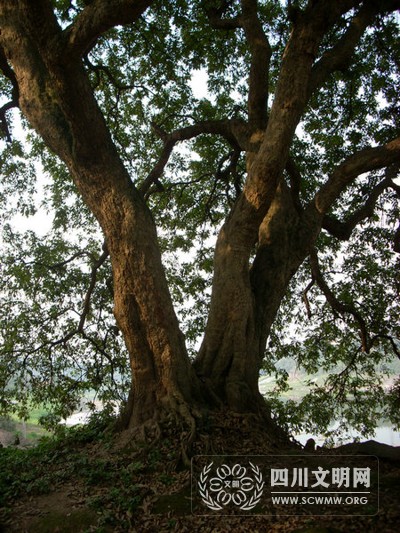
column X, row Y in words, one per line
column 363, row 161
column 61, row 264
column 215, row 16
column 396, row 243
column 343, row 229
column 295, row 182
column 305, row 297
column 339, row 57
column 390, row 339
column 93, row 278
column 233, row 130
column 260, row 51
column 107, row 71
column 336, row 304
column 8, row 73
column 3, row 119
column 51, row 344
column 86, row 308
column 98, row 17
column 291, row 97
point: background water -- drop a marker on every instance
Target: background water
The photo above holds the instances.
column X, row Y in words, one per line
column 384, row 434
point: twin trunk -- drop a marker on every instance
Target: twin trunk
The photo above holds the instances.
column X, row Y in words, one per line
column 56, row 97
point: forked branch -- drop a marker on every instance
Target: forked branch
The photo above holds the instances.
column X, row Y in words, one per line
column 343, row 229
column 98, row 17
column 233, row 130
column 260, row 52
column 339, row 57
column 336, row 304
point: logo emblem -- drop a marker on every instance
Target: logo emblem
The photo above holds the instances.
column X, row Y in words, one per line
column 228, row 486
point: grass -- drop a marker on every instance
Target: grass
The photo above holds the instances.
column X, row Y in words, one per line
column 110, row 483
column 35, row 414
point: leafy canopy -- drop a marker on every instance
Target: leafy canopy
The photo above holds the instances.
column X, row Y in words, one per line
column 58, row 339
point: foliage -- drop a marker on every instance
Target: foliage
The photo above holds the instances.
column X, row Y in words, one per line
column 55, row 459
column 54, row 348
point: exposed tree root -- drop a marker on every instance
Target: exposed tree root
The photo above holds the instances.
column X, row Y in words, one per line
column 205, row 432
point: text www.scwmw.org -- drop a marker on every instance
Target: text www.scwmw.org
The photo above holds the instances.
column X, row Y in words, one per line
column 319, row 500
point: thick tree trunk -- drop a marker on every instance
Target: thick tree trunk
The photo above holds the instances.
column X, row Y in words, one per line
column 240, row 319
column 228, row 358
column 286, row 236
column 56, row 97
column 246, row 301
column 161, row 374
column 162, row 378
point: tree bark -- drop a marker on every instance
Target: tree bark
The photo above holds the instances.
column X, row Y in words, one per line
column 56, row 97
column 240, row 321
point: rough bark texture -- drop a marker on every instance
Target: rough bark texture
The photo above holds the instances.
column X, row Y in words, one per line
column 55, row 96
column 234, row 341
column 245, row 297
column 236, row 335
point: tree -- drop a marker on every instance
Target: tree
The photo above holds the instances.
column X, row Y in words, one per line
column 293, row 154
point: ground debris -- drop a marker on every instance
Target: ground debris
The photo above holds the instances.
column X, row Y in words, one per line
column 102, row 486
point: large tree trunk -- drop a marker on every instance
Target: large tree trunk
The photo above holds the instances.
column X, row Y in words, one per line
column 56, row 97
column 246, row 300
